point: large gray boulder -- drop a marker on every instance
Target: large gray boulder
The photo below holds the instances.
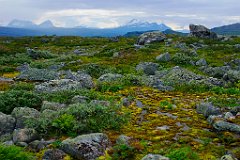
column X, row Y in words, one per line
column 201, row 31
column 149, row 68
column 25, row 135
column 154, row 157
column 150, row 37
column 86, row 147
column 221, row 125
column 7, row 124
column 59, row 85
column 23, row 114
column 207, row 109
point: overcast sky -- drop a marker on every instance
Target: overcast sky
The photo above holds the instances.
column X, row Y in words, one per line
column 112, row 13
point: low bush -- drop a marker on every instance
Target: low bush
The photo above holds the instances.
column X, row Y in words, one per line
column 185, row 153
column 14, row 153
column 18, row 98
column 80, row 118
column 123, row 152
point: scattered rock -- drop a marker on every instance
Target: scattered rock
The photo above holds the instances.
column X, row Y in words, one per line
column 21, row 144
column 221, row 125
column 122, row 139
column 207, row 109
column 34, row 74
column 163, row 57
column 7, row 124
column 149, row 68
column 52, row 106
column 126, row 102
column 37, row 145
column 201, row 31
column 109, row 77
column 201, row 62
column 227, row 157
column 59, row 85
column 53, row 154
column 100, row 102
column 79, row 99
column 154, row 157
column 86, row 147
column 163, row 128
column 25, row 135
column 228, row 116
column 23, row 114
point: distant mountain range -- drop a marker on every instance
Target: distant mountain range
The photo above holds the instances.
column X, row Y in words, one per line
column 28, row 28
column 134, row 27
column 232, row 29
column 29, row 25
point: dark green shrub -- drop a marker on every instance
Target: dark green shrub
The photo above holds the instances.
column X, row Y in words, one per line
column 123, row 152
column 79, row 118
column 14, row 153
column 185, row 153
column 18, row 98
column 65, row 123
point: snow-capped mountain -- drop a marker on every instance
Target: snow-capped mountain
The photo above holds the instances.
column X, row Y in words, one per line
column 30, row 25
column 46, row 24
column 21, row 24
column 138, row 25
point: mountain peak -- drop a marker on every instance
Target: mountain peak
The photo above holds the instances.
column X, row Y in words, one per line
column 21, row 24
column 46, row 24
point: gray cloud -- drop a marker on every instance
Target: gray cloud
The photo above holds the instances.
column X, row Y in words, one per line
column 110, row 13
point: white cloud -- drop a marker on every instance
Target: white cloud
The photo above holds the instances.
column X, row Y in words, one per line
column 100, row 18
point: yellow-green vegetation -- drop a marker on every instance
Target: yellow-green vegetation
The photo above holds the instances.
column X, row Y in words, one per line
column 165, row 123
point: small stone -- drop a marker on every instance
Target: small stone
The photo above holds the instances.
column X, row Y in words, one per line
column 154, row 157
column 21, row 144
column 164, row 57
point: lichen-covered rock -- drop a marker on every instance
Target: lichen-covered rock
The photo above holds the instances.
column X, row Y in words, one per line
column 7, row 124
column 149, row 68
column 59, row 85
column 201, row 31
column 207, row 109
column 155, row 82
column 163, row 57
column 221, row 125
column 150, row 37
column 86, row 147
column 122, row 139
column 109, row 77
column 52, row 106
column 25, row 135
column 37, row 145
column 85, row 79
column 177, row 76
column 23, row 114
column 53, row 154
column 154, row 157
column 201, row 62
column 232, row 76
column 227, row 157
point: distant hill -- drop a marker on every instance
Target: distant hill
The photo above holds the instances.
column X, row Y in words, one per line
column 168, row 31
column 232, row 29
